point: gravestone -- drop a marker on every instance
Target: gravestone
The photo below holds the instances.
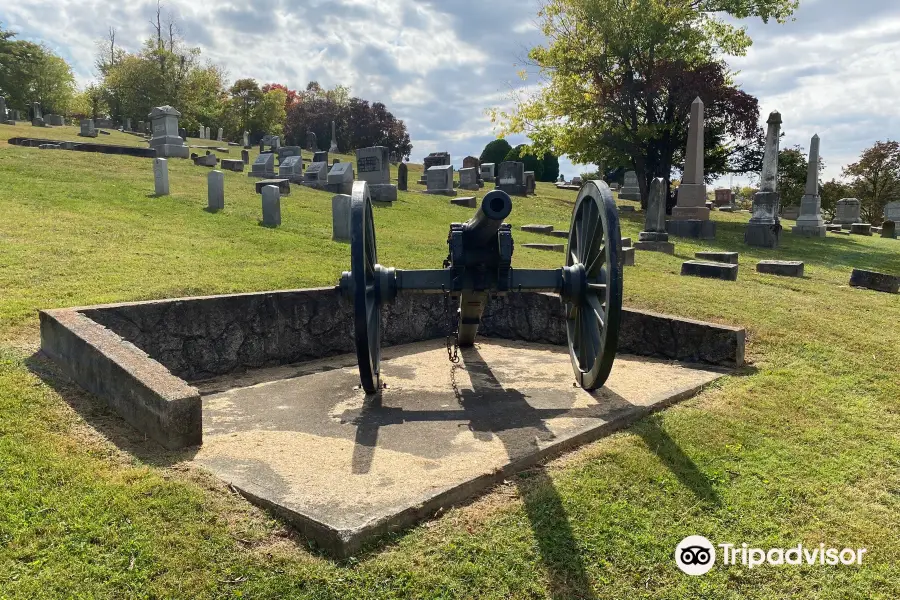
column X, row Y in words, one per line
column 395, row 158
column 785, row 268
column 810, row 222
column 161, row 176
column 723, row 196
column 142, row 127
column 468, row 178
column 87, row 128
column 283, row 185
column 333, row 148
column 263, row 166
column 320, row 156
column 373, row 166
column 690, row 216
column 487, row 172
column 470, row 162
column 207, row 160
column 285, row 152
column 202, row 132
column 791, row 213
column 889, row 229
column 630, row 191
column 530, row 183
column 215, row 193
column 578, row 181
column 291, row 168
column 128, row 124
column 38, row 122
column 221, row 132
column 271, row 206
column 247, row 140
column 655, row 238
column 873, row 280
column 232, row 164
column 340, row 178
column 312, row 144
column 402, row 177
column 182, row 132
column 861, row 229
column 764, row 228
column 55, row 120
column 208, row 135
column 846, row 212
column 36, row 111
column 892, row 211
column 316, row 175
column 433, row 160
column 511, row 178
column 340, row 217
column 439, row 180
column 2, row 108
column 164, row 137
column 245, row 156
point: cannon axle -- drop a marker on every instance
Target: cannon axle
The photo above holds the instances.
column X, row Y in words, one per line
column 478, row 266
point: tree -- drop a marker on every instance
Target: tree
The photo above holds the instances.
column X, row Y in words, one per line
column 876, row 178
column 88, row 103
column 495, row 152
column 522, row 154
column 32, row 73
column 620, row 77
column 18, row 60
column 792, row 168
column 359, row 124
column 551, row 167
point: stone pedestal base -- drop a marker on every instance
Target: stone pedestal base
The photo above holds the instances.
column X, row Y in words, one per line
column 762, row 235
column 861, row 229
column 440, row 192
column 693, row 228
column 690, row 213
column 172, row 151
column 785, row 268
column 809, row 230
column 630, row 193
column 664, row 247
column 470, row 187
column 340, row 188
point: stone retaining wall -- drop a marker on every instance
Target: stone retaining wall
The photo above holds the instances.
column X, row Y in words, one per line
column 137, row 356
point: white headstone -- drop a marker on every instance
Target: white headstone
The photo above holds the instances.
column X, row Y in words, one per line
column 340, row 173
column 246, row 139
column 439, row 178
column 340, row 217
column 221, row 132
column 202, row 132
column 207, row 134
column 215, row 196
column 161, row 176
column 334, row 146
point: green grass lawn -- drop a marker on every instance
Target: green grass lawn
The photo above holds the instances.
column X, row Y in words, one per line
column 802, row 446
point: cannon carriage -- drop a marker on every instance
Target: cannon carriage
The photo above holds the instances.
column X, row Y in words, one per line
column 479, row 266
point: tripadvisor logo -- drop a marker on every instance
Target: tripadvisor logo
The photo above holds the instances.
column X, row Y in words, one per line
column 696, row 555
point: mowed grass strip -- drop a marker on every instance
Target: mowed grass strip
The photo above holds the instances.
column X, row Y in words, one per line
column 800, row 446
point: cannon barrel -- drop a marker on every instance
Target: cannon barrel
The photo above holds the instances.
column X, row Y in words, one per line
column 481, row 229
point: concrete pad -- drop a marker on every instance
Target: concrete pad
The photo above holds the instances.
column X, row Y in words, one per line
column 306, row 442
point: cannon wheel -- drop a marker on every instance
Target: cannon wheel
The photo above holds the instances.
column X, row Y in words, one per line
column 366, row 298
column 594, row 313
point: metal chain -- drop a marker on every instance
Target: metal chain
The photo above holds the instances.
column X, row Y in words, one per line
column 453, row 336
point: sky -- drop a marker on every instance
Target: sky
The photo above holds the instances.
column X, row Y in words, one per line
column 439, row 64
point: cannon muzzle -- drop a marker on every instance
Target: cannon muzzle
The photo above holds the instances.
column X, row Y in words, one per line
column 481, row 229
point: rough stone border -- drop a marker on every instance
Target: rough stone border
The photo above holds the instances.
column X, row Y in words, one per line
column 139, row 357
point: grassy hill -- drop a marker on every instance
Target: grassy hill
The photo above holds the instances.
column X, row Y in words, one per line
column 800, row 446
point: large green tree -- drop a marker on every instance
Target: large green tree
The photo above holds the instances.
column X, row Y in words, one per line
column 495, row 152
column 33, row 73
column 619, row 77
column 876, row 178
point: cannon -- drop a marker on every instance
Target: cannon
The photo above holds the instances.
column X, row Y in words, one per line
column 478, row 267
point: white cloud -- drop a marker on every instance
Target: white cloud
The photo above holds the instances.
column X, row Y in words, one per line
column 438, row 65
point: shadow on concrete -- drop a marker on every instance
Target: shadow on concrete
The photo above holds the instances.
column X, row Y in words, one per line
column 105, row 421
